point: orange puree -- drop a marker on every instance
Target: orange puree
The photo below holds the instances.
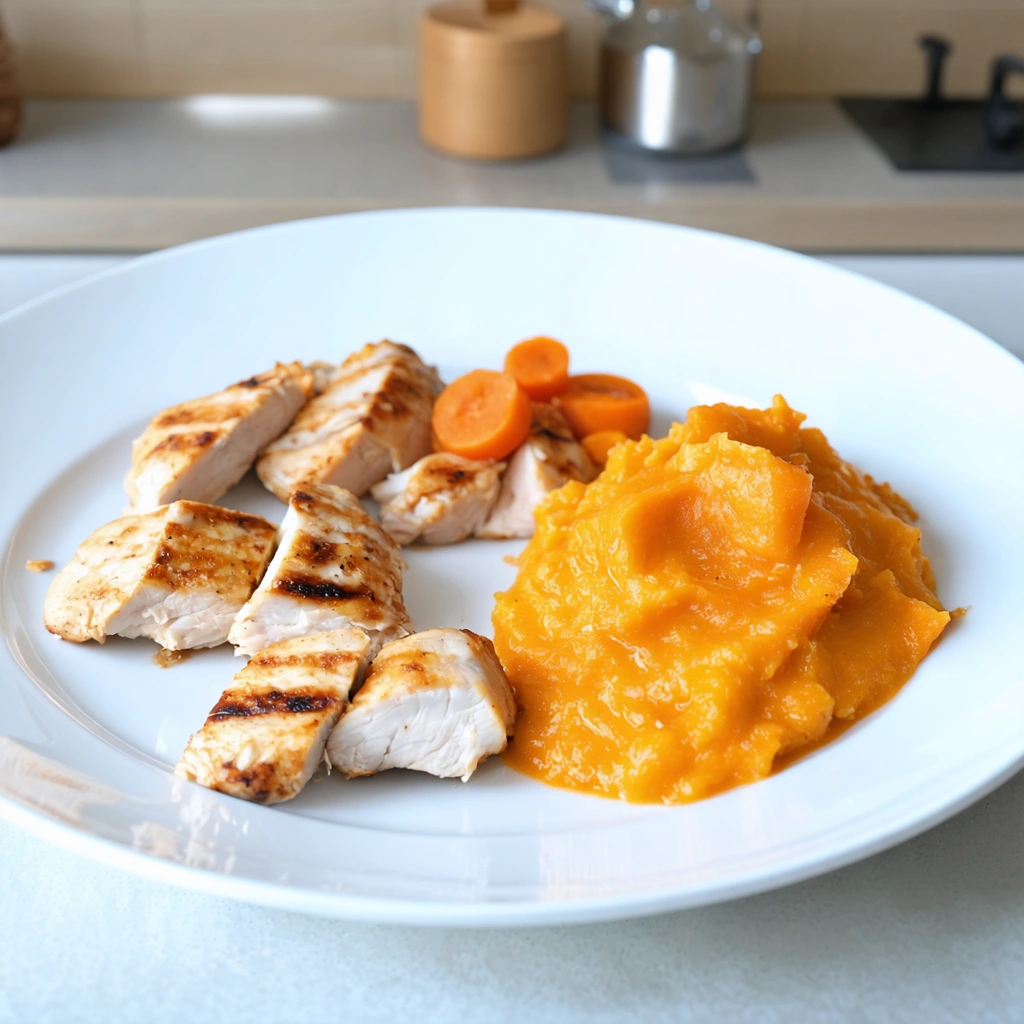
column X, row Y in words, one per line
column 730, row 593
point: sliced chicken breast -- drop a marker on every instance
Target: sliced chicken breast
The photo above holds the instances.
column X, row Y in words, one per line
column 178, row 574
column 265, row 736
column 549, row 458
column 436, row 701
column 200, row 449
column 335, row 568
column 372, row 418
column 441, row 499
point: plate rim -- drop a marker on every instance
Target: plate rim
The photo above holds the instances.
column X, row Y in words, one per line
column 482, row 913
column 488, row 913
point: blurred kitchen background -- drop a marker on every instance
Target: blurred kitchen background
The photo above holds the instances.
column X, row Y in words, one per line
column 879, row 133
column 368, row 48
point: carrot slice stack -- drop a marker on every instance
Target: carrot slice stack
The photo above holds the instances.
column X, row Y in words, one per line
column 482, row 415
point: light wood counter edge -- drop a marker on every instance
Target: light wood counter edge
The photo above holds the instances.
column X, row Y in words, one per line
column 139, row 225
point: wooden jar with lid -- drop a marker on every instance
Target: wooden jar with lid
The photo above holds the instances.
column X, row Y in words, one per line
column 493, row 79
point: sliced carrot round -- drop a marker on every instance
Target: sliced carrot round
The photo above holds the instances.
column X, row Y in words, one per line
column 482, row 415
column 595, row 402
column 598, row 445
column 541, row 366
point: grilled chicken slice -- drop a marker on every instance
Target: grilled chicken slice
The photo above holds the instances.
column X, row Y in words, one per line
column 177, row 574
column 436, row 702
column 372, row 418
column 549, row 458
column 265, row 736
column 335, row 568
column 200, row 449
column 441, row 499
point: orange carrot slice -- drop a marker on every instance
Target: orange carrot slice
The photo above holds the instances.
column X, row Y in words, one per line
column 541, row 366
column 595, row 402
column 482, row 415
column 598, row 445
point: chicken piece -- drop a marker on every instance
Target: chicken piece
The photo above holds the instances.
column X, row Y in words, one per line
column 200, row 449
column 441, row 499
column 549, row 458
column 265, row 736
column 177, row 574
column 335, row 568
column 436, row 701
column 372, row 418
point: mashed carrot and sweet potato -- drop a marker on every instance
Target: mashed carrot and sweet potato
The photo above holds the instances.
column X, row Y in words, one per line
column 716, row 599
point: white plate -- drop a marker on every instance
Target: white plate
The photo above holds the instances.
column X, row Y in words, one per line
column 904, row 391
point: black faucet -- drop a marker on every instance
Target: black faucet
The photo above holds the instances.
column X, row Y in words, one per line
column 936, row 50
column 1004, row 119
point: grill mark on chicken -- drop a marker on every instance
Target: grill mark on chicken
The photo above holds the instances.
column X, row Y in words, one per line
column 553, row 435
column 326, row 661
column 335, row 568
column 178, row 442
column 313, row 504
column 404, row 396
column 202, row 447
column 265, row 737
column 549, row 421
column 372, row 417
column 295, row 702
column 184, row 415
column 315, row 551
column 411, row 373
column 177, row 574
column 186, row 559
column 319, row 590
column 243, row 520
column 441, row 479
column 441, row 499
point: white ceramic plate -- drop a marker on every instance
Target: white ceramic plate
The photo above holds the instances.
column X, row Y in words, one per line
column 89, row 734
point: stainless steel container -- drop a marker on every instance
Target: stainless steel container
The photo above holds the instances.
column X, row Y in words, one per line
column 676, row 77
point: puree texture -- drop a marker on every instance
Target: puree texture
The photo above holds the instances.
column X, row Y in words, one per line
column 727, row 595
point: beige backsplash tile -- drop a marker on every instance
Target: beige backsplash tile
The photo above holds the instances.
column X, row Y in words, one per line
column 857, row 50
column 335, row 50
column 368, row 47
column 68, row 49
column 584, row 29
column 778, row 66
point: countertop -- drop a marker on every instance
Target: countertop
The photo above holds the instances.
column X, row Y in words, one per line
column 932, row 930
column 133, row 175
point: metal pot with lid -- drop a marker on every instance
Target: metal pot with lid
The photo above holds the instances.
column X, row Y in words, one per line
column 676, row 76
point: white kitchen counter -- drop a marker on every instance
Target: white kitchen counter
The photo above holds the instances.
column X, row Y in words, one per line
column 107, row 175
column 932, row 930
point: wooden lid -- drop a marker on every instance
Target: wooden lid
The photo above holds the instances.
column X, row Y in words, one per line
column 494, row 23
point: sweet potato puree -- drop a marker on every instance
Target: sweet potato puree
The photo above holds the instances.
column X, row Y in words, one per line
column 731, row 593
